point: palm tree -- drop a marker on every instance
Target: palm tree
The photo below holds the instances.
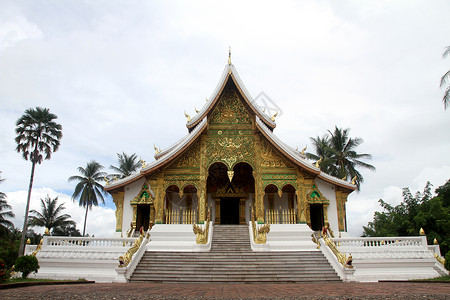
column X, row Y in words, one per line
column 5, row 212
column 50, row 216
column 127, row 165
column 88, row 190
column 37, row 134
column 323, row 153
column 444, row 78
column 339, row 156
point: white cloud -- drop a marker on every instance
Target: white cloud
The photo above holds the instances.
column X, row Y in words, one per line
column 14, row 27
column 100, row 221
column 120, row 75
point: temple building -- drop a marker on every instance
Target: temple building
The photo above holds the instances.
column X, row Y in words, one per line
column 230, row 163
column 175, row 217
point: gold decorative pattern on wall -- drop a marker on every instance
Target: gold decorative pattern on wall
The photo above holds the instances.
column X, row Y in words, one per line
column 118, row 198
column 270, row 158
column 181, row 181
column 230, row 109
column 230, row 150
column 315, row 196
column 144, row 196
column 190, row 159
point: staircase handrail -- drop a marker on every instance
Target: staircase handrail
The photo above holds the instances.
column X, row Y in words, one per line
column 130, row 231
column 200, row 232
column 138, row 244
column 345, row 261
column 259, row 231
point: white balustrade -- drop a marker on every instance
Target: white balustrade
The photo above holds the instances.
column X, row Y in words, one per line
column 86, row 242
column 376, row 242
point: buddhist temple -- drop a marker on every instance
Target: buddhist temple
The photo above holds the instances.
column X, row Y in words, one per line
column 231, row 202
column 230, row 161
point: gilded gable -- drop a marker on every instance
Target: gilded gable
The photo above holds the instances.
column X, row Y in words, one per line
column 270, row 157
column 190, row 159
column 230, row 109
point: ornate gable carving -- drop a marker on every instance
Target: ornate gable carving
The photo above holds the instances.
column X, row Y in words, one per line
column 315, row 196
column 230, row 150
column 270, row 158
column 230, row 190
column 144, row 197
column 190, row 159
column 230, row 109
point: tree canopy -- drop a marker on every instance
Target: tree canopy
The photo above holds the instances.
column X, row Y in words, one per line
column 88, row 190
column 51, row 215
column 337, row 156
column 421, row 210
column 5, row 213
column 37, row 135
column 444, row 79
column 128, row 164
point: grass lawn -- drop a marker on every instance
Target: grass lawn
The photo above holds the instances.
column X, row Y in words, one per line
column 20, row 280
column 442, row 278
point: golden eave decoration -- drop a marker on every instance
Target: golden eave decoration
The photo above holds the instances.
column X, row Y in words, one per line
column 144, row 196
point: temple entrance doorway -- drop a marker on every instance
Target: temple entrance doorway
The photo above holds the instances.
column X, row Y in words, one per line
column 316, row 213
column 230, row 192
column 143, row 216
column 229, row 211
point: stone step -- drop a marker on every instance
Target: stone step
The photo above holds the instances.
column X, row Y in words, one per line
column 236, row 272
column 231, row 260
column 216, row 279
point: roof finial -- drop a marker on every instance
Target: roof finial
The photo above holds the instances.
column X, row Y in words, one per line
column 229, row 55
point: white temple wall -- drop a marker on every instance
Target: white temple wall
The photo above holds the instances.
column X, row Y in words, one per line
column 328, row 191
column 131, row 191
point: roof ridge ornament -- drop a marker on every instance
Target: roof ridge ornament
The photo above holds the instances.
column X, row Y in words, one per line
column 157, row 151
column 274, row 116
column 318, row 163
column 304, row 149
column 187, row 116
column 229, row 55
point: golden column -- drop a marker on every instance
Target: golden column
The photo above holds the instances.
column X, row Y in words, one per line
column 325, row 213
column 157, row 186
column 202, row 196
column 259, row 189
column 303, row 186
column 118, row 198
column 341, row 199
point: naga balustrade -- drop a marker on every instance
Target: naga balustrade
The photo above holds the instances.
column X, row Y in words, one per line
column 259, row 231
column 181, row 216
column 280, row 216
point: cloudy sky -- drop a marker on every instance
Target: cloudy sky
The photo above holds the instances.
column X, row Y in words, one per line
column 119, row 74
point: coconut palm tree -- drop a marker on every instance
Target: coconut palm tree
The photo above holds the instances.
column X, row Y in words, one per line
column 5, row 212
column 444, row 78
column 88, row 190
column 127, row 165
column 50, row 216
column 339, row 156
column 38, row 136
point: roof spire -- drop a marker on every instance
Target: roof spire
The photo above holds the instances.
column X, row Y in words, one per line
column 229, row 55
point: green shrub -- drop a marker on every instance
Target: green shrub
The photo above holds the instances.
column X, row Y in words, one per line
column 4, row 273
column 26, row 264
column 447, row 261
